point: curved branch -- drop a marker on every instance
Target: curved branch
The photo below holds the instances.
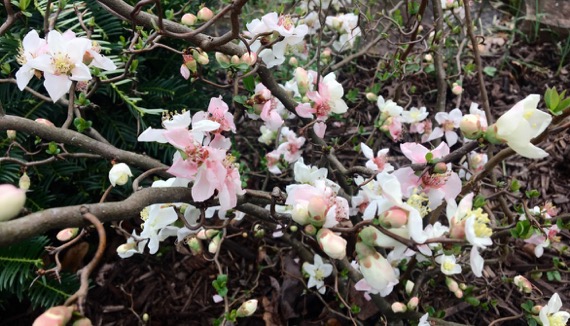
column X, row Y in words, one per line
column 79, row 140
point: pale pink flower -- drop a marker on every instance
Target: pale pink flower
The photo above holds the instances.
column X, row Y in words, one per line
column 291, row 148
column 379, row 162
column 448, row 123
column 327, row 100
column 32, row 47
column 541, row 241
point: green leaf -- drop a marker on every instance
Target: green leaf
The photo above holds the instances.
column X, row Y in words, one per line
column 479, row 201
column 515, row 185
column 429, row 157
column 490, row 71
column 473, row 301
column 551, row 98
column 81, row 124
column 533, row 193
column 527, row 306
column 249, row 83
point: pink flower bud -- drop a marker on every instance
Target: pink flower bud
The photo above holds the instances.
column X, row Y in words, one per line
column 332, row 244
column 317, row 206
column 302, row 79
column 458, row 294
column 470, row 126
column 310, row 229
column 456, row 89
column 249, row 58
column 536, row 309
column 440, row 168
column 67, row 234
column 398, row 307
column 45, row 122
column 326, row 54
column 523, row 284
column 451, row 284
column 12, row 201
column 293, row 62
column 54, row 316
column 205, row 14
column 189, row 19
column 413, row 303
column 395, row 217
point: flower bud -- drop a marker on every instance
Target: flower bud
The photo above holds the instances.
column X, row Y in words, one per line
column 317, row 209
column 12, row 201
column 458, row 294
column 205, row 14
column 54, row 316
column 440, row 168
column 24, row 182
column 258, row 231
column 235, row 60
column 371, row 97
column 67, row 234
column 195, row 245
column 125, row 247
column 428, row 58
column 200, row 56
column 470, row 126
column 119, row 174
column 451, row 284
column 456, row 89
column 326, row 54
column 45, row 122
column 83, row 322
column 302, row 79
column 332, row 244
column 398, row 307
column 293, row 228
column 222, row 59
column 247, row 308
column 293, row 62
column 523, row 284
column 145, row 317
column 11, row 134
column 395, row 217
column 413, row 303
column 214, row 244
column 536, row 309
column 207, row 234
column 310, row 229
column 189, row 19
column 249, row 58
column 409, row 287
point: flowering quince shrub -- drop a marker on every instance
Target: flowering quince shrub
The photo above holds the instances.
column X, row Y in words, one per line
column 377, row 207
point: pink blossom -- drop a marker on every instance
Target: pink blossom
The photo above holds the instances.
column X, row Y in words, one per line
column 218, row 111
column 379, row 162
column 327, row 99
column 291, row 148
column 448, row 122
column 417, row 153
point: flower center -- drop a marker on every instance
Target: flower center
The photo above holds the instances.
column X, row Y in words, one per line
column 62, row 64
column 319, row 274
column 435, row 180
column 556, row 320
column 286, row 22
column 197, row 154
column 322, row 109
column 448, row 266
column 482, row 229
column 448, row 125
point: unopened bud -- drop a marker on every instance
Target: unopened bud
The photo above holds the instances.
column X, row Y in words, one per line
column 12, row 201
column 300, row 213
column 326, row 54
column 24, row 182
column 536, row 309
column 67, row 234
column 371, row 97
column 205, row 14
column 258, row 231
column 222, row 59
column 214, row 244
column 310, row 229
column 83, row 322
column 522, row 284
column 456, row 89
column 189, row 19
column 470, row 126
column 54, row 316
column 293, row 228
column 247, row 308
column 398, row 307
column 409, row 287
column 235, row 60
column 395, row 217
column 293, row 62
column 451, row 284
column 440, row 168
column 458, row 294
column 195, row 245
column 428, row 58
column 201, row 57
column 11, row 134
column 332, row 244
column 249, row 58
column 413, row 303
column 145, row 317
column 45, row 122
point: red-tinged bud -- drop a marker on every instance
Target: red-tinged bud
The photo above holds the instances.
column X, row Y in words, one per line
column 54, row 316
column 67, row 234
column 398, row 307
column 205, row 14
column 249, row 58
column 332, row 244
column 395, row 217
column 45, row 122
